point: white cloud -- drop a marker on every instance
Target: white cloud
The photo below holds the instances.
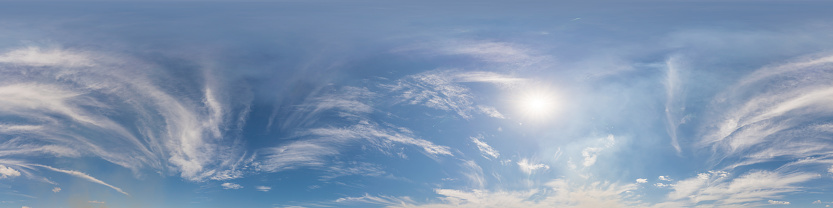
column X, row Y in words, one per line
column 263, row 188
column 70, row 99
column 228, row 185
column 673, row 100
column 778, row 202
column 557, row 193
column 338, row 169
column 442, row 90
column 381, row 200
column 590, row 154
column 641, row 180
column 485, row 150
column 528, row 166
column 324, row 142
column 96, row 202
column 474, row 173
column 490, row 111
column 753, row 186
column 83, row 176
column 771, row 113
column 661, row 185
column 817, row 202
column 664, row 178
column 34, row 56
column 56, row 189
column 7, row 172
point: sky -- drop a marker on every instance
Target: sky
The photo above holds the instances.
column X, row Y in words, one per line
column 416, row 104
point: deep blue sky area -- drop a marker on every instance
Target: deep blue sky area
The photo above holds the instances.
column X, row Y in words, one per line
column 417, row 104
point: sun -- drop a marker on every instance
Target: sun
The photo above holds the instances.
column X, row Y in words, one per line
column 537, row 104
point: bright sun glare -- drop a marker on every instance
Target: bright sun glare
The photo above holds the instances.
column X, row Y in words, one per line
column 537, row 104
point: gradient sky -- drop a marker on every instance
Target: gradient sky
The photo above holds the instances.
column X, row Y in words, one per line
column 416, row 104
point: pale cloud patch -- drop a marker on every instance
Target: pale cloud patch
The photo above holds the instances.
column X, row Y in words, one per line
column 321, row 143
column 231, row 186
column 37, row 57
column 590, row 154
column 528, row 166
column 778, row 202
column 56, row 189
column 96, row 202
column 664, row 178
column 263, row 188
column 556, row 193
column 70, row 97
column 751, row 187
column 641, row 180
column 443, row 90
column 770, row 114
column 83, row 176
column 380, row 200
column 7, row 172
column 485, row 150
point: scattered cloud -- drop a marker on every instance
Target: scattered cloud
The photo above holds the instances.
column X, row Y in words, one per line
column 557, row 193
column 381, row 200
column 662, row 185
column 442, row 90
column 83, row 176
column 751, row 187
column 817, row 202
column 263, row 188
column 590, row 154
column 485, row 150
column 771, row 113
column 37, row 57
column 641, row 180
column 665, row 178
column 228, row 185
column 69, row 99
column 56, row 189
column 7, row 172
column 778, row 202
column 528, row 167
column 95, row 202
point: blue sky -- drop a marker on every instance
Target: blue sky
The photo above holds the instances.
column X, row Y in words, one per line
column 416, row 104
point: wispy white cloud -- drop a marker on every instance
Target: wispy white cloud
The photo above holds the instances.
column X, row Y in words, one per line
column 770, row 114
column 557, row 193
column 443, row 90
column 641, row 180
column 380, row 200
column 35, row 56
column 228, row 185
column 338, row 169
column 674, row 102
column 7, row 172
column 485, row 150
column 69, row 97
column 263, row 188
column 778, row 202
column 320, row 143
column 664, row 178
column 83, row 176
column 528, row 166
column 474, row 173
column 754, row 186
column 590, row 154
column 56, row 189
